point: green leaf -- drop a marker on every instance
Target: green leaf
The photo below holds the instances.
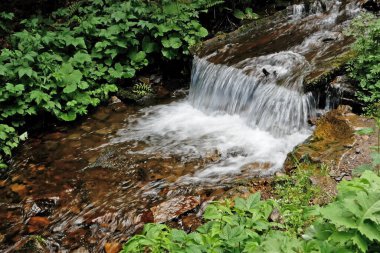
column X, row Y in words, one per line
column 25, row 71
column 365, row 131
column 137, row 56
column 148, row 46
column 81, row 58
column 172, row 42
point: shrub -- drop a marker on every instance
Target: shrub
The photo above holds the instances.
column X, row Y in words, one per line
column 365, row 67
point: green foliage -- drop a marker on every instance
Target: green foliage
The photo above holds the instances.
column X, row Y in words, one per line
column 72, row 60
column 354, row 217
column 246, row 14
column 5, row 19
column 294, row 194
column 375, row 155
column 142, row 89
column 351, row 223
column 365, row 67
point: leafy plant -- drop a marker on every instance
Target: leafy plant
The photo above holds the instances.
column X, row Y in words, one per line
column 354, row 217
column 142, row 89
column 295, row 192
column 351, row 223
column 247, row 14
column 365, row 67
column 5, row 19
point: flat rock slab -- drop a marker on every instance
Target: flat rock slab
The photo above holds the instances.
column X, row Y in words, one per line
column 173, row 208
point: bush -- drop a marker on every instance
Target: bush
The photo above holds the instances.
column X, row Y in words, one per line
column 66, row 63
column 365, row 67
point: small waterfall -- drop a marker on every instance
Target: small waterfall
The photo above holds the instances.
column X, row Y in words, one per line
column 298, row 11
column 265, row 91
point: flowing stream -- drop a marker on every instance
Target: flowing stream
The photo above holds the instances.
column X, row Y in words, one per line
column 97, row 181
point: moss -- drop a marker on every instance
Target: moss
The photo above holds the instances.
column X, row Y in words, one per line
column 334, row 66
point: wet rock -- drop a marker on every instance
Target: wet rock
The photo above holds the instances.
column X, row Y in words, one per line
column 37, row 223
column 41, row 207
column 104, row 131
column 156, row 79
column 147, row 100
column 86, row 128
column 213, row 156
column 173, row 208
column 20, row 189
column 101, row 115
column 54, row 136
column 257, row 166
column 114, row 100
column 81, row 250
column 181, row 93
column 112, row 247
column 3, row 183
column 74, row 136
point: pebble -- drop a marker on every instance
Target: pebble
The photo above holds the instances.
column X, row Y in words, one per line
column 36, row 223
column 81, row 250
column 20, row 189
column 112, row 247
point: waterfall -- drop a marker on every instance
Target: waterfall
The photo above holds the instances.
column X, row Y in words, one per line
column 298, row 11
column 265, row 91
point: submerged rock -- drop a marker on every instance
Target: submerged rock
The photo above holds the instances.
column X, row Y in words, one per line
column 37, row 223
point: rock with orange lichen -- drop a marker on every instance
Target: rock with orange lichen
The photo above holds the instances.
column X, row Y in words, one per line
column 333, row 138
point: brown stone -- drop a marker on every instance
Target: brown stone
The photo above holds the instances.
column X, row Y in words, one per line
column 81, row 250
column 3, row 183
column 174, row 207
column 112, row 247
column 37, row 223
column 191, row 222
column 54, row 136
column 20, row 189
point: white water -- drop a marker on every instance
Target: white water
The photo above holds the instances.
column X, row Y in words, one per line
column 179, row 128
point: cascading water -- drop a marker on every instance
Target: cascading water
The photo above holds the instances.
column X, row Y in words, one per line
column 252, row 113
column 266, row 92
